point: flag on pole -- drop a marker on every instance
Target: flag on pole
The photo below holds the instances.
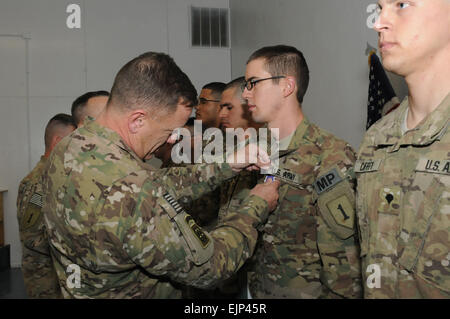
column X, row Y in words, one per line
column 382, row 98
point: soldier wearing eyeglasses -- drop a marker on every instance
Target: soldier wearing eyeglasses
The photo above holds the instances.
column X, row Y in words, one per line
column 309, row 247
column 208, row 107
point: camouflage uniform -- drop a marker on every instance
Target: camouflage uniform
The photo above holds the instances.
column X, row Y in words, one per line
column 309, row 246
column 111, row 215
column 37, row 267
column 403, row 206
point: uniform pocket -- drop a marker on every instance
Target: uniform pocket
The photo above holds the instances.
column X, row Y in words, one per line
column 426, row 231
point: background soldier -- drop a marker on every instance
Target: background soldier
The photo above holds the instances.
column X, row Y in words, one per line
column 208, row 107
column 403, row 166
column 89, row 104
column 309, row 246
column 37, row 266
column 116, row 223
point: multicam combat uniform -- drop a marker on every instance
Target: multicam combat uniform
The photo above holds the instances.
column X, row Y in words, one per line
column 115, row 223
column 39, row 274
column 404, row 206
column 309, row 246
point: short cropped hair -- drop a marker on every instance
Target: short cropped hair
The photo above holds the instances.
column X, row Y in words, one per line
column 238, row 84
column 285, row 60
column 216, row 88
column 81, row 101
column 153, row 81
column 58, row 121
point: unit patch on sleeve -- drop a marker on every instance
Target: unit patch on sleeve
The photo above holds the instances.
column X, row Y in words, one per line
column 32, row 211
column 327, row 181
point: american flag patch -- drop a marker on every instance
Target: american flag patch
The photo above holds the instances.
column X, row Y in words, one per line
column 36, row 199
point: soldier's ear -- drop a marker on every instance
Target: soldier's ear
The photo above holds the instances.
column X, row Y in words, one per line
column 136, row 120
column 289, row 86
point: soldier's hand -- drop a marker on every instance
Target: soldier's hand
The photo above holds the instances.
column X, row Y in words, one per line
column 250, row 157
column 269, row 192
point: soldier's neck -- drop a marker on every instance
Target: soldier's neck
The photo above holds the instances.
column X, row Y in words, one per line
column 427, row 89
column 288, row 119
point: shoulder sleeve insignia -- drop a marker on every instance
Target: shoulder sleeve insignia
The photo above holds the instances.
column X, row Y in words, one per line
column 200, row 244
column 32, row 212
column 337, row 208
column 327, row 181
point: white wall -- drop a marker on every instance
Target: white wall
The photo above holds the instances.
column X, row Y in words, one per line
column 64, row 63
column 333, row 36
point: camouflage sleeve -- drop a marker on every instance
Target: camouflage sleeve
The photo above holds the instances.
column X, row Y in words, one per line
column 166, row 241
column 206, row 208
column 336, row 232
column 39, row 275
column 192, row 181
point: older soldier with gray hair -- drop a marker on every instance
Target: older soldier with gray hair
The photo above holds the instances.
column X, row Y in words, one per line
column 403, row 166
column 115, row 225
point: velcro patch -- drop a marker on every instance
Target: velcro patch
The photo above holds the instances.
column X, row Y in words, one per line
column 198, row 232
column 342, row 211
column 200, row 244
column 36, row 199
column 288, row 176
column 178, row 209
column 433, row 166
column 32, row 212
column 365, row 166
column 327, row 181
column 337, row 208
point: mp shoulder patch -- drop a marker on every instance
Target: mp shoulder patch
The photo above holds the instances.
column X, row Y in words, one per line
column 327, row 181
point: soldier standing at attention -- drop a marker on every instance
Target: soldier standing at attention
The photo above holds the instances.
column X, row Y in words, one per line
column 37, row 267
column 309, row 245
column 115, row 225
column 403, row 166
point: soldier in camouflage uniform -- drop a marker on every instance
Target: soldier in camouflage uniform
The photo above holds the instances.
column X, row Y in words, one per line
column 309, row 246
column 403, row 166
column 89, row 104
column 37, row 266
column 115, row 225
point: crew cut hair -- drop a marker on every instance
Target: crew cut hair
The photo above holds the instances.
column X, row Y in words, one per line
column 216, row 88
column 78, row 105
column 152, row 81
column 59, row 121
column 285, row 60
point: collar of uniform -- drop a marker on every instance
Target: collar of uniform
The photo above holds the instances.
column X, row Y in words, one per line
column 430, row 129
column 109, row 134
column 299, row 134
column 434, row 125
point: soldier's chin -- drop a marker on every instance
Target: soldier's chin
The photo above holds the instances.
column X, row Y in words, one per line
column 390, row 64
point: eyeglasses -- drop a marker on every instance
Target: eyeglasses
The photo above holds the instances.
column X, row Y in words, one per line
column 250, row 84
column 204, row 101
